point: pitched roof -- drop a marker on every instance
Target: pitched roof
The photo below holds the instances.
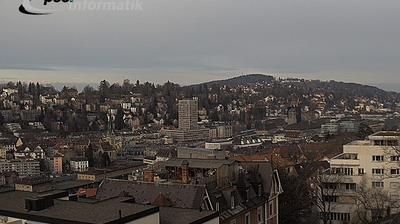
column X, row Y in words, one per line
column 180, row 195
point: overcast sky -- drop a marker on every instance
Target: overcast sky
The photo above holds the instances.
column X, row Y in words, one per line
column 190, row 41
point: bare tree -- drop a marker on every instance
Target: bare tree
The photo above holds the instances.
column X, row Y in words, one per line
column 373, row 204
column 325, row 187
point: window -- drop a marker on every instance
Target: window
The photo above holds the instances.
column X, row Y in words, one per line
column 329, row 198
column 395, row 171
column 377, row 184
column 350, row 186
column 232, row 221
column 217, row 206
column 378, row 171
column 247, row 218
column 259, row 190
column 335, row 216
column 377, row 158
column 361, row 171
column 395, row 185
column 394, row 197
column 270, row 209
column 352, row 156
column 395, row 158
column 342, row 170
column 233, row 202
column 260, row 215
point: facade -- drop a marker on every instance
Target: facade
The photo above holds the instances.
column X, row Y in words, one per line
column 188, row 114
column 30, row 115
column 188, row 127
column 330, row 128
column 200, row 153
column 79, row 165
column 24, row 168
column 371, row 165
column 252, row 197
column 243, row 192
column 221, row 132
column 56, row 164
column 349, row 126
column 3, row 153
column 187, row 135
column 8, row 179
column 219, row 144
column 294, row 115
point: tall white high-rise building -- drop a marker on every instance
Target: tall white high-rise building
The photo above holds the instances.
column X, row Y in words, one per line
column 188, row 110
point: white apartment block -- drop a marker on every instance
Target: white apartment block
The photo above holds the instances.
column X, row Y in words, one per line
column 373, row 164
column 24, row 168
column 79, row 165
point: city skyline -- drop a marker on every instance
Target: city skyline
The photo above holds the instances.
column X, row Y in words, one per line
column 192, row 42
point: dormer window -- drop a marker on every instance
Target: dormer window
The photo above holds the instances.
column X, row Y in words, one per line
column 217, row 206
column 247, row 194
column 259, row 190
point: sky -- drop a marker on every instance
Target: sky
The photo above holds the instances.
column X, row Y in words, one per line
column 191, row 41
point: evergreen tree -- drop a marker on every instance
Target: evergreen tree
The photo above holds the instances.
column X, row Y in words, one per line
column 119, row 119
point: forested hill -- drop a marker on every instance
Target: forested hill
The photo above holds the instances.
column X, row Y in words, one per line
column 306, row 86
column 242, row 80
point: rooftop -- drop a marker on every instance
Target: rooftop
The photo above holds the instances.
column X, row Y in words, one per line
column 386, row 134
column 168, row 215
column 13, row 204
column 198, row 163
column 180, row 195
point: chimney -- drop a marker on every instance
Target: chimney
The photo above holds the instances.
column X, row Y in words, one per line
column 185, row 172
column 148, row 175
column 120, row 214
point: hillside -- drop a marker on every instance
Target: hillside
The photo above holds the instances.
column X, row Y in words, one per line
column 242, row 80
column 335, row 87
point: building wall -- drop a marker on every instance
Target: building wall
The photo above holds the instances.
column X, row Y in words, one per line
column 86, row 177
column 188, row 114
column 57, row 165
column 79, row 166
column 22, row 167
column 212, row 221
column 153, row 218
column 200, row 153
column 359, row 171
column 23, row 187
column 3, row 153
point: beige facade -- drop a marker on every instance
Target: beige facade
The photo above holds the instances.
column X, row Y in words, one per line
column 374, row 165
column 3, row 153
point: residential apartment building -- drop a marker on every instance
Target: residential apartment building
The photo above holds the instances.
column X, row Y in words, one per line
column 330, row 128
column 243, row 192
column 23, row 167
column 371, row 165
column 188, row 130
column 79, row 165
column 56, row 164
column 188, row 114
